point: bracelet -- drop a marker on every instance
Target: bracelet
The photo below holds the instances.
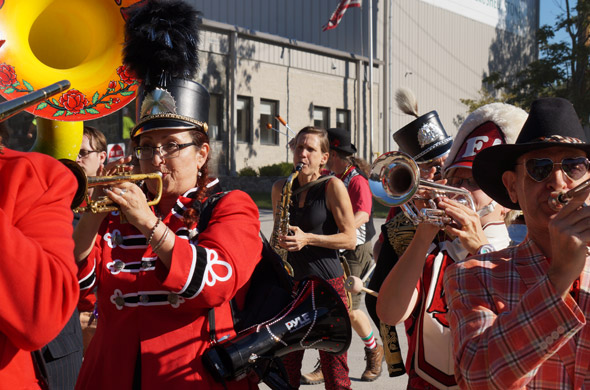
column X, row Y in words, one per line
column 153, row 231
column 161, row 241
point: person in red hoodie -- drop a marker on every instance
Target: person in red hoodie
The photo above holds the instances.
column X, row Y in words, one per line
column 38, row 282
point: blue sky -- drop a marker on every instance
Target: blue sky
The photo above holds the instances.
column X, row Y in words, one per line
column 550, row 9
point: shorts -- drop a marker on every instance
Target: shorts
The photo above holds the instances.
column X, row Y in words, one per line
column 359, row 261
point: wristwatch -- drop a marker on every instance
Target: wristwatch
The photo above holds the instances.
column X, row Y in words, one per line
column 486, row 248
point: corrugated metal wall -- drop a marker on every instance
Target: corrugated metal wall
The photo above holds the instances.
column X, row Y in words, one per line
column 301, row 20
column 443, row 57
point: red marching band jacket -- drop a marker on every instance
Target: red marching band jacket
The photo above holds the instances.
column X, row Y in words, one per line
column 161, row 314
column 38, row 284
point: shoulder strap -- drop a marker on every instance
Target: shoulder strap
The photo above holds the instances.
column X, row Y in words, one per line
column 206, row 209
column 311, row 184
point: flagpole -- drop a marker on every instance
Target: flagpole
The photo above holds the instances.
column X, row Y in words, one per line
column 370, row 159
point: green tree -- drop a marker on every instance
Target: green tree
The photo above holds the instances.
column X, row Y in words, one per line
column 562, row 69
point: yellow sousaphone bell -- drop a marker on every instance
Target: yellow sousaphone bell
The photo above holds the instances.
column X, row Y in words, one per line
column 44, row 41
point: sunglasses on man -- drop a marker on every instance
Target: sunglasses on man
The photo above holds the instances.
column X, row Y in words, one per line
column 539, row 169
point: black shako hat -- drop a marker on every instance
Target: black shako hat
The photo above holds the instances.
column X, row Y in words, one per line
column 161, row 49
column 552, row 122
column 424, row 138
column 181, row 104
column 340, row 141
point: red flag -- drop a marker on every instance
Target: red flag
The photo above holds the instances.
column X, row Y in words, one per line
column 339, row 13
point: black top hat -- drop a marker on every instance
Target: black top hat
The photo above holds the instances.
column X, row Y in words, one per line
column 552, row 122
column 424, row 138
column 161, row 49
column 340, row 141
column 181, row 104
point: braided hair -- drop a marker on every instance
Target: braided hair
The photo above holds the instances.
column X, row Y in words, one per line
column 191, row 214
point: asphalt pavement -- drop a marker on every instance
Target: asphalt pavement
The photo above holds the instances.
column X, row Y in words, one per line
column 356, row 353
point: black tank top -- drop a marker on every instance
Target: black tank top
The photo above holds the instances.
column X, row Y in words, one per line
column 314, row 217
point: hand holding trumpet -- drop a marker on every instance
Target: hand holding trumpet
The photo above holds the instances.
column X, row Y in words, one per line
column 569, row 233
column 465, row 224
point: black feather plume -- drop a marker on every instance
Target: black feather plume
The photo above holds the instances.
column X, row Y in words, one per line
column 161, row 41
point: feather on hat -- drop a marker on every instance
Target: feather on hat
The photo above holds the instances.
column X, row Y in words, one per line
column 161, row 49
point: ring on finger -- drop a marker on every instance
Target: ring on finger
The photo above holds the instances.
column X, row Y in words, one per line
column 122, row 192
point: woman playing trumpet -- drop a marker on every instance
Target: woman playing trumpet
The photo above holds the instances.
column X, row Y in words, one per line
column 412, row 291
column 160, row 278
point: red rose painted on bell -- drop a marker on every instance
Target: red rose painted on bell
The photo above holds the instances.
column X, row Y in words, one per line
column 112, row 84
column 125, row 74
column 7, row 75
column 73, row 101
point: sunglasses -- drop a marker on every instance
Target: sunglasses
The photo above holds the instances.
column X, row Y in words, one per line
column 540, row 169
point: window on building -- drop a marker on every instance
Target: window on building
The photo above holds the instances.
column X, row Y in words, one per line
column 343, row 119
column 321, row 117
column 244, row 129
column 268, row 111
column 215, row 118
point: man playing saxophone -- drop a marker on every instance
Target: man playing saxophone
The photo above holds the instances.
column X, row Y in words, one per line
column 413, row 291
column 321, row 222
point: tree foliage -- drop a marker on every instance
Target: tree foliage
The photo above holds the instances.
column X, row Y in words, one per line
column 562, row 69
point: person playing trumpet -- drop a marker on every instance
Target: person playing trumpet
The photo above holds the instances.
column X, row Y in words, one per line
column 413, row 291
column 164, row 274
column 519, row 316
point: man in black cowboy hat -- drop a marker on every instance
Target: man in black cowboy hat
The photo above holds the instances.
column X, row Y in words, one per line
column 518, row 316
column 353, row 172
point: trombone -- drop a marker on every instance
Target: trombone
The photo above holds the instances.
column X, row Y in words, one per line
column 395, row 180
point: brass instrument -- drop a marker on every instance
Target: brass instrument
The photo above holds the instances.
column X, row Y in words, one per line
column 395, row 180
column 281, row 220
column 46, row 39
column 10, row 108
column 559, row 199
column 104, row 204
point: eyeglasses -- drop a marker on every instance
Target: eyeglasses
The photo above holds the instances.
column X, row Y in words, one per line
column 539, row 169
column 426, row 167
column 468, row 183
column 169, row 150
column 83, row 153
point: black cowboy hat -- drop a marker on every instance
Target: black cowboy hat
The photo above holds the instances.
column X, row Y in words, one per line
column 424, row 138
column 552, row 122
column 340, row 141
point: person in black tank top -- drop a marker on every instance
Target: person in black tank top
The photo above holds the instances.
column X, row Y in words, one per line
column 321, row 222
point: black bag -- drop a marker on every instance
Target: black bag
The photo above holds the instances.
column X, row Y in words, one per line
column 270, row 287
column 269, row 290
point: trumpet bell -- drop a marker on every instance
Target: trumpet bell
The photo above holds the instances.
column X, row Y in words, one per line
column 56, row 39
column 394, row 178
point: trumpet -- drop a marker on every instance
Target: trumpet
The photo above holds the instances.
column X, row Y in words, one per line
column 104, row 204
column 559, row 199
column 395, row 180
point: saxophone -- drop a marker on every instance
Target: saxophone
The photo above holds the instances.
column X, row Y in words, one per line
column 281, row 219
